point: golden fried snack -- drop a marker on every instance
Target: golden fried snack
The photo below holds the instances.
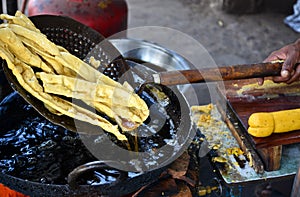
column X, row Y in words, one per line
column 37, row 39
column 120, row 104
column 17, row 48
column 49, row 59
column 19, row 19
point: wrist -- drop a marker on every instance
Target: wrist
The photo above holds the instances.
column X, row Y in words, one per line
column 297, row 43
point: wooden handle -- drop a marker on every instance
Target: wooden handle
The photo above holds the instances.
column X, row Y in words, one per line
column 245, row 71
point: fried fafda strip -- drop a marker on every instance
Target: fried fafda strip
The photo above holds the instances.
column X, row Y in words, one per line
column 38, row 43
column 121, row 120
column 26, row 77
column 91, row 91
column 15, row 45
column 86, row 71
column 127, row 108
column 49, row 59
column 19, row 19
column 84, row 90
column 40, row 40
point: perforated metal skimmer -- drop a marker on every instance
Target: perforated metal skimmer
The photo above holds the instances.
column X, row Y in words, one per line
column 82, row 41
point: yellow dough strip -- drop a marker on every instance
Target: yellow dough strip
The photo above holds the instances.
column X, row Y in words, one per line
column 263, row 124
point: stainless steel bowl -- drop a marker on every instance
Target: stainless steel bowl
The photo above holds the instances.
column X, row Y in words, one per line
column 153, row 53
column 150, row 52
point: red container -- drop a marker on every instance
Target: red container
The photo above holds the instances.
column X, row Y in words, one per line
column 105, row 16
column 6, row 192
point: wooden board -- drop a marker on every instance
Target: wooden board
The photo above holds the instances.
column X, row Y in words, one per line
column 245, row 99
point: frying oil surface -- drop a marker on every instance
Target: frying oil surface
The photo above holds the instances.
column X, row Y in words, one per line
column 34, row 149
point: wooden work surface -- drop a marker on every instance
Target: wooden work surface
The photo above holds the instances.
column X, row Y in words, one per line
column 244, row 103
column 244, row 99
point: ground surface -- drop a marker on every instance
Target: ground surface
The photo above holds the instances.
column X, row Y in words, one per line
column 230, row 39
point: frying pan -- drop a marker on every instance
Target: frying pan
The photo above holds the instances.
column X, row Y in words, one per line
column 79, row 40
column 122, row 186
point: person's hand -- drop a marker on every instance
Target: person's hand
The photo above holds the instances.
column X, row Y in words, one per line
column 290, row 71
column 263, row 190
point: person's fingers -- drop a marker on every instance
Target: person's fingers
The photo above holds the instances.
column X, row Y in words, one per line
column 272, row 57
column 266, row 193
column 279, row 79
column 290, row 61
column 260, row 81
column 277, row 55
column 263, row 190
column 295, row 76
column 293, row 79
column 291, row 56
column 285, row 74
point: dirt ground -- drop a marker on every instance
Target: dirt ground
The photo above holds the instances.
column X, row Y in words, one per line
column 229, row 38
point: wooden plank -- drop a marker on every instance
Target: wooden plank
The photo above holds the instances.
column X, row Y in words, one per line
column 244, row 106
column 243, row 110
column 242, row 102
column 249, row 90
column 271, row 157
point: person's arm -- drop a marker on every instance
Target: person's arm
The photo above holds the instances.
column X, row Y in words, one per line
column 290, row 70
